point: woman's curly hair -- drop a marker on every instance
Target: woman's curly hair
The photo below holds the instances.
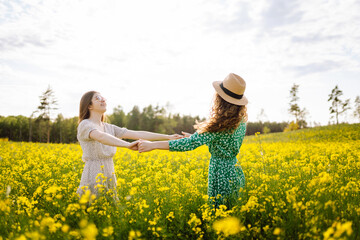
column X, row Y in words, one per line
column 223, row 116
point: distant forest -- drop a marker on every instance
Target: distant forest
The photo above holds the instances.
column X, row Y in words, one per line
column 154, row 119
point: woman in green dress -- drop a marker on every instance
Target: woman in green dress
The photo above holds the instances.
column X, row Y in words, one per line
column 223, row 133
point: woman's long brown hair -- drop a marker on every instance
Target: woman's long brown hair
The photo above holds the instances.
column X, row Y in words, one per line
column 224, row 116
column 85, row 102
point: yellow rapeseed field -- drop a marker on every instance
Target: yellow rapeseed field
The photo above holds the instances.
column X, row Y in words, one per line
column 299, row 185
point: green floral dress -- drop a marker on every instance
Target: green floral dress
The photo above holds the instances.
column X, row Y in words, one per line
column 225, row 174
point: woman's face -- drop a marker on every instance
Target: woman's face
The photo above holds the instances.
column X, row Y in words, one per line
column 98, row 103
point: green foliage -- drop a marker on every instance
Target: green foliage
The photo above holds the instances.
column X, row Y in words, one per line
column 294, row 109
column 254, row 127
column 64, row 130
column 291, row 127
column 47, row 104
column 118, row 117
column 266, row 130
column 134, row 119
column 338, row 106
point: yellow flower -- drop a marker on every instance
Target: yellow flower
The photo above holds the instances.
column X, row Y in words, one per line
column 108, row 231
column 136, row 181
column 251, row 204
column 328, row 233
column 65, row 228
column 228, row 226
column 85, row 197
column 22, row 237
column 72, row 208
column 88, row 231
column 75, row 234
column 277, row 231
column 133, row 191
column 134, row 234
column 33, row 235
column 305, row 173
column 52, row 190
column 50, row 223
column 162, row 189
column 170, row 216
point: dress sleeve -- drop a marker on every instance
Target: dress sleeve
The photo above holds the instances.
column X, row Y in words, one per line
column 192, row 142
column 84, row 129
column 119, row 132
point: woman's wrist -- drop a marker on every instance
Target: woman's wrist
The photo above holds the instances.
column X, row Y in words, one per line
column 124, row 144
column 152, row 145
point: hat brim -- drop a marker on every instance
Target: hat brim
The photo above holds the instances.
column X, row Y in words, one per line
column 223, row 95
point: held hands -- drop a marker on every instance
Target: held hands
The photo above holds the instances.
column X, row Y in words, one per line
column 146, row 146
column 134, row 145
column 141, row 146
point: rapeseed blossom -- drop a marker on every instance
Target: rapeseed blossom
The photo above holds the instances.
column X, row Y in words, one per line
column 299, row 185
column 228, row 226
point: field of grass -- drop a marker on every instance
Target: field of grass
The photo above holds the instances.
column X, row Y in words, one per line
column 299, row 185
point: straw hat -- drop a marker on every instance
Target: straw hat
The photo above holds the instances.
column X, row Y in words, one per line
column 232, row 89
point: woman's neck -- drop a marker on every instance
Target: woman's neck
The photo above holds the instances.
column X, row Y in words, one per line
column 95, row 117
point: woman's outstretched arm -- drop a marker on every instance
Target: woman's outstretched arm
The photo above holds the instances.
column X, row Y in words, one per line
column 132, row 134
column 180, row 145
column 146, row 146
column 110, row 140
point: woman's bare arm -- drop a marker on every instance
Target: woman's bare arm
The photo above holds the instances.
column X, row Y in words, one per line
column 132, row 134
column 146, row 146
column 110, row 140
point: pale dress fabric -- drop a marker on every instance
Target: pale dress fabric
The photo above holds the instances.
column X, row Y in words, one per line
column 98, row 158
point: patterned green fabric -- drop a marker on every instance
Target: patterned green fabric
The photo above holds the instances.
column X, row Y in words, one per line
column 225, row 173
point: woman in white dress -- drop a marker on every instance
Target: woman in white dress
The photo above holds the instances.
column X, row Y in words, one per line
column 98, row 142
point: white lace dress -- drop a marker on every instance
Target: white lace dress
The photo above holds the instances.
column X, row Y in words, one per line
column 97, row 158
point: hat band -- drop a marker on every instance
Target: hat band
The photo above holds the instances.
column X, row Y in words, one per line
column 230, row 93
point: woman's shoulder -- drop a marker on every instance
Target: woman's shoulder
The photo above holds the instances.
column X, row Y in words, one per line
column 84, row 122
column 242, row 124
column 109, row 125
column 241, row 128
column 114, row 127
column 106, row 124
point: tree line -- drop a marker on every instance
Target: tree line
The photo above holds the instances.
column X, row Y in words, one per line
column 150, row 118
column 40, row 127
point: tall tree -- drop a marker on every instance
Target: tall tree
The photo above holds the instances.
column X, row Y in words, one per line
column 118, row 117
column 147, row 119
column 295, row 109
column 57, row 129
column 31, row 125
column 357, row 108
column 338, row 106
column 134, row 118
column 47, row 104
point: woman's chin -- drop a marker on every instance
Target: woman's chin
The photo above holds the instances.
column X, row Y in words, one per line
column 102, row 111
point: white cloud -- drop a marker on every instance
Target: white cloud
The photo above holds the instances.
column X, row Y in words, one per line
column 142, row 52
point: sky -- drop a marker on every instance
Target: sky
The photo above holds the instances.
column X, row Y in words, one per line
column 168, row 53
